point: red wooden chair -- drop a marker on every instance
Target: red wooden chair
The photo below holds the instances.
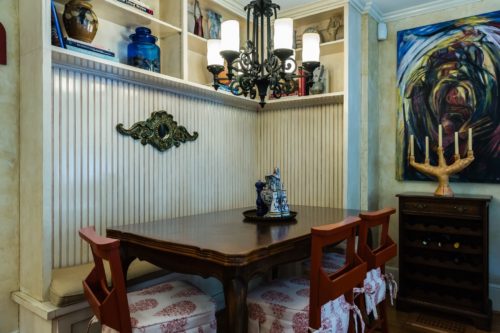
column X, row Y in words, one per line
column 322, row 302
column 377, row 281
column 167, row 307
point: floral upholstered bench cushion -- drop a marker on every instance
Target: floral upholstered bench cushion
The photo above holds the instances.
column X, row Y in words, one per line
column 173, row 306
column 283, row 306
column 66, row 285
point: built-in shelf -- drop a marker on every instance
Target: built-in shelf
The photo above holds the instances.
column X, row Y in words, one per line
column 197, row 44
column 93, row 65
column 304, row 101
column 335, row 46
column 130, row 17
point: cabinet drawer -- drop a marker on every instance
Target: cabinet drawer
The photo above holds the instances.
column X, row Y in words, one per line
column 458, row 209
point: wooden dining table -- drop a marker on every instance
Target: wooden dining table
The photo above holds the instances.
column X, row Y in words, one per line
column 226, row 246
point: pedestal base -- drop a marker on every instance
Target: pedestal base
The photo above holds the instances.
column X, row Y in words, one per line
column 444, row 190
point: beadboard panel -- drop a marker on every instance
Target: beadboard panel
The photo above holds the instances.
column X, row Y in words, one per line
column 105, row 179
column 307, row 144
column 102, row 178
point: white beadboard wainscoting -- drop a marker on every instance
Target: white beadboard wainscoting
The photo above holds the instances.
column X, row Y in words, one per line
column 103, row 178
column 307, row 144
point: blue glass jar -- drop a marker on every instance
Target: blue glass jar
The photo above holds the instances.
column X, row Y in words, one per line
column 143, row 51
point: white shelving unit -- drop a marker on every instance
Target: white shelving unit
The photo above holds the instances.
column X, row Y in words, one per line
column 128, row 16
column 335, row 46
column 187, row 60
column 92, row 65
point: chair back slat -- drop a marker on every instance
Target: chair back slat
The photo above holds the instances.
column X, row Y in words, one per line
column 109, row 304
column 383, row 255
column 325, row 286
column 387, row 249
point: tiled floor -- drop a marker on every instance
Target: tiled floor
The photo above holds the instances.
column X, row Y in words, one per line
column 398, row 323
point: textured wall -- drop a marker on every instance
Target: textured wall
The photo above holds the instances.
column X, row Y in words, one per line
column 388, row 106
column 9, row 169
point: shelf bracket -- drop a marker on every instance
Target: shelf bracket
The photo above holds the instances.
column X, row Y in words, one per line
column 159, row 130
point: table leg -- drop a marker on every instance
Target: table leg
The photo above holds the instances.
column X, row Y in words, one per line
column 235, row 291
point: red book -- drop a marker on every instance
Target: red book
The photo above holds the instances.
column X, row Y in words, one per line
column 302, row 82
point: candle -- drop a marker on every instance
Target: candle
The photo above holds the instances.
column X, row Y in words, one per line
column 411, row 146
column 426, row 147
column 440, row 137
column 470, row 138
column 456, row 143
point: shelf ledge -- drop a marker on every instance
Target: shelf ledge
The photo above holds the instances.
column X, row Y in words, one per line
column 73, row 60
column 130, row 17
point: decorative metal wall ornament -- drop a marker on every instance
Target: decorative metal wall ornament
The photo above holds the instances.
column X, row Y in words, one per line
column 160, row 130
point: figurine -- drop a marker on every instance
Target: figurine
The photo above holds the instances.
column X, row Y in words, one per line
column 261, row 206
column 274, row 196
column 318, row 86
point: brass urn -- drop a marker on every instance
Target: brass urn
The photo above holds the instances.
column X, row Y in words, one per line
column 80, row 21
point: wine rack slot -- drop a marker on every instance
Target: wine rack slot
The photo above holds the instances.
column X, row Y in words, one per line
column 437, row 277
column 443, row 255
column 443, row 243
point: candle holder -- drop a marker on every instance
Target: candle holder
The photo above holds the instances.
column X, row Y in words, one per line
column 443, row 171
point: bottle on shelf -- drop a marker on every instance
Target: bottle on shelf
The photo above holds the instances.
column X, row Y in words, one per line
column 426, row 241
column 443, row 240
column 458, row 259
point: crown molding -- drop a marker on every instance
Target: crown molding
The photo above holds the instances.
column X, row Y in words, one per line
column 358, row 4
column 424, row 9
column 313, row 8
column 363, row 6
column 373, row 10
column 233, row 6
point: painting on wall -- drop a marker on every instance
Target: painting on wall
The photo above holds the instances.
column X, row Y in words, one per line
column 449, row 74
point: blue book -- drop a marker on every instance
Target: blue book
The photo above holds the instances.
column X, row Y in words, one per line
column 85, row 46
column 88, row 52
column 56, row 27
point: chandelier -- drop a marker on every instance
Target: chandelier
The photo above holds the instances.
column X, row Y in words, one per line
column 264, row 63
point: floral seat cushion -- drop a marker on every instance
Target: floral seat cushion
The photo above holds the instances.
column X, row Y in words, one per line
column 375, row 290
column 171, row 307
column 283, row 306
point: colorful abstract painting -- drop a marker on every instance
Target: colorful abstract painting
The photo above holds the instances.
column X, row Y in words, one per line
column 449, row 74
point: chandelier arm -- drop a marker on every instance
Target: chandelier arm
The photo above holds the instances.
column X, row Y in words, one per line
column 262, row 43
column 257, row 67
column 248, row 23
column 270, row 42
column 255, row 37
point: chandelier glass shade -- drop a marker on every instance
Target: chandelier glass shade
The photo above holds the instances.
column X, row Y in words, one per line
column 265, row 62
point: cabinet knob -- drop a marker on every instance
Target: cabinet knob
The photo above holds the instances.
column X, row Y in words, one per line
column 460, row 209
column 421, row 206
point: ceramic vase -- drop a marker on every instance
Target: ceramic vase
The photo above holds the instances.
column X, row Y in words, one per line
column 80, row 21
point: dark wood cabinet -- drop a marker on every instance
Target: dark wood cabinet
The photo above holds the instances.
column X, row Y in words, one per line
column 443, row 255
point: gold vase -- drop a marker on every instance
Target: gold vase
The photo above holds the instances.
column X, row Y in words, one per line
column 80, row 21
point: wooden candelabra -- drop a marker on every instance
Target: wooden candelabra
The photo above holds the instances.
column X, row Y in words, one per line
column 443, row 171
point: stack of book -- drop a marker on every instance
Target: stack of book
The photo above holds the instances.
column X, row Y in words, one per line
column 138, row 5
column 86, row 48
